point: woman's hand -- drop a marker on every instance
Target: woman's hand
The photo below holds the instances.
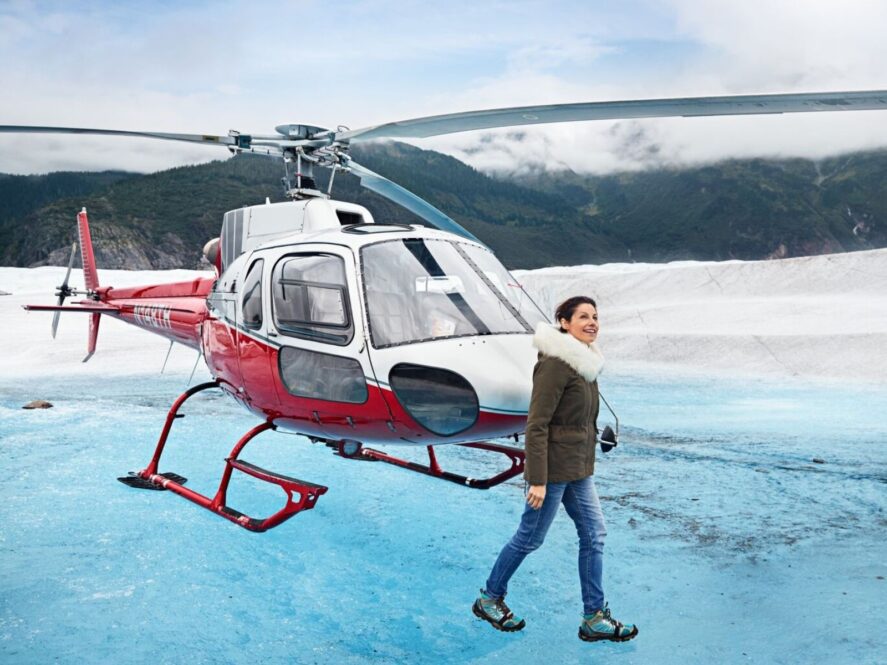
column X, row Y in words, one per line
column 535, row 496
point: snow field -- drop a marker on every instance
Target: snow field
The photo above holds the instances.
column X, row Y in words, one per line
column 727, row 542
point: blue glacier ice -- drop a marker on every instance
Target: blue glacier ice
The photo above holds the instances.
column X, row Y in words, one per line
column 727, row 542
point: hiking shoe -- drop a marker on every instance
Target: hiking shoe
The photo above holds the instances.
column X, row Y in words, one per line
column 601, row 626
column 497, row 613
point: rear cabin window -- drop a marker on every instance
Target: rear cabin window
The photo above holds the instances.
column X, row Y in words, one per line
column 311, row 298
column 322, row 376
column 252, row 296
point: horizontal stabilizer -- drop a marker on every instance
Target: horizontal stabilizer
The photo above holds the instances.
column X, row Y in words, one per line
column 100, row 308
column 94, row 309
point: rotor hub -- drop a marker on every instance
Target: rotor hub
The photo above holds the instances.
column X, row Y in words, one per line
column 295, row 132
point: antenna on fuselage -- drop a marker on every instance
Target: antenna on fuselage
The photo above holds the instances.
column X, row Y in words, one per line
column 166, row 360
column 194, row 369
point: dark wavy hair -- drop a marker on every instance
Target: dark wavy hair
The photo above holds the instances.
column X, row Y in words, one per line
column 568, row 307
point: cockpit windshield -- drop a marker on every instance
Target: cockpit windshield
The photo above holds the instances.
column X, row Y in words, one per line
column 420, row 289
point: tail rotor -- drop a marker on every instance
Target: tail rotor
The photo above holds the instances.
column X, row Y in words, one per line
column 90, row 276
column 63, row 291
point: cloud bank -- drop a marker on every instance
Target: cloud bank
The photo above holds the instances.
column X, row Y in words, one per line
column 206, row 67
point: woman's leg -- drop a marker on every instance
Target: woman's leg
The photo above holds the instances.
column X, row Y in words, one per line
column 581, row 501
column 529, row 536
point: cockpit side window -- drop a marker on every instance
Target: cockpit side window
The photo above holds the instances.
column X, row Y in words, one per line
column 252, row 296
column 310, row 298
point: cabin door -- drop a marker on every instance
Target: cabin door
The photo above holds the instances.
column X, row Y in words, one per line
column 324, row 377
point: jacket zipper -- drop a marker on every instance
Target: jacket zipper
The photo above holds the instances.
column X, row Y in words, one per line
column 588, row 395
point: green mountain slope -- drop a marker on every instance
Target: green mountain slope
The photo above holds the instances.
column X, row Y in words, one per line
column 739, row 209
column 749, row 209
column 23, row 194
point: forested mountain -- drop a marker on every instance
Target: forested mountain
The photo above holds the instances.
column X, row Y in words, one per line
column 21, row 194
column 748, row 209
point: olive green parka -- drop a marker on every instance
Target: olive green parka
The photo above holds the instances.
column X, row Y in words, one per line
column 562, row 420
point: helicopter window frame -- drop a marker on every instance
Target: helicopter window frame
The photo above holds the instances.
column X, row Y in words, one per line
column 339, row 334
column 252, row 292
column 483, row 329
column 473, row 252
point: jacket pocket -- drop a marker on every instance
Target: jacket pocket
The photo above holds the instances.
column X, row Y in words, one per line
column 568, row 434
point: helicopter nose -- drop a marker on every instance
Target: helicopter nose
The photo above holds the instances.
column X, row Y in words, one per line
column 501, row 370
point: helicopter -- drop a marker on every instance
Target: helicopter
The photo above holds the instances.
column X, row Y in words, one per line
column 352, row 331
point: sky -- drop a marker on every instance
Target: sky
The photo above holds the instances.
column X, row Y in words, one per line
column 207, row 67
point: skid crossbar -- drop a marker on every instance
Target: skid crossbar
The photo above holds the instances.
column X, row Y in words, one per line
column 301, row 495
column 515, row 455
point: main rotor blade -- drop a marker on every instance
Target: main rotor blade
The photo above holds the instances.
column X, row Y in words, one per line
column 623, row 110
column 403, row 197
column 190, row 138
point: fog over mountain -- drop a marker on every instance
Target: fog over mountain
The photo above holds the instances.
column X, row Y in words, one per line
column 740, row 209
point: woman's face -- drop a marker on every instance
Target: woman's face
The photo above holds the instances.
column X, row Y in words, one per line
column 583, row 326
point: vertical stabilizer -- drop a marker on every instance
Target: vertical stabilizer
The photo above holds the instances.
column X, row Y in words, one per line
column 90, row 274
column 90, row 277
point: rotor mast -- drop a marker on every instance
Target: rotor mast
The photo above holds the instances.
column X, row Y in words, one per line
column 303, row 146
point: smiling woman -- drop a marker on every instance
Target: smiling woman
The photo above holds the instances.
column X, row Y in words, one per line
column 560, row 442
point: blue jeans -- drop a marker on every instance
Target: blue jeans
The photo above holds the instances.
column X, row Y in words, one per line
column 583, row 506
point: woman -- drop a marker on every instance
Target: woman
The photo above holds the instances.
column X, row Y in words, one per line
column 560, row 443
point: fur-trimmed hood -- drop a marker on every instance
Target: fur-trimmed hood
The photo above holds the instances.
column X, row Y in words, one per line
column 584, row 358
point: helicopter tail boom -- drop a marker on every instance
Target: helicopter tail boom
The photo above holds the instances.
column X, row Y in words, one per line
column 173, row 310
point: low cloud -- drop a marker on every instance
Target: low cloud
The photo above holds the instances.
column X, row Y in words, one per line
column 180, row 68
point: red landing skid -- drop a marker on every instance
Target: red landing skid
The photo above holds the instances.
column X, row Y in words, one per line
column 354, row 450
column 148, row 478
column 307, row 493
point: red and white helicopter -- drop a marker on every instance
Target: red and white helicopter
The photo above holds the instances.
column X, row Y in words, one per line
column 324, row 321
